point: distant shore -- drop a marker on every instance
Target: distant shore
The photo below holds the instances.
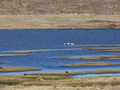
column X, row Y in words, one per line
column 59, row 21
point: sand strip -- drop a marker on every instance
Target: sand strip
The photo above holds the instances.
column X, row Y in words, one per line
column 17, row 69
column 91, row 64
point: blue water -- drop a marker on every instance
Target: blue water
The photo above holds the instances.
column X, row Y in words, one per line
column 3, row 84
column 20, row 40
column 93, row 75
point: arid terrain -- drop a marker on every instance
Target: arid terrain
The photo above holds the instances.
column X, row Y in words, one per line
column 37, row 7
column 59, row 14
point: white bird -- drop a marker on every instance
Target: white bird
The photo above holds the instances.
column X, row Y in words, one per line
column 64, row 43
column 72, row 43
column 68, row 43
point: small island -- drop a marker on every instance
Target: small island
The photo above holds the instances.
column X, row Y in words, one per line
column 12, row 55
column 91, row 64
column 1, row 62
column 17, row 69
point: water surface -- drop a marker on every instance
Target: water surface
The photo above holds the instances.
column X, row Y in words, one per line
column 20, row 40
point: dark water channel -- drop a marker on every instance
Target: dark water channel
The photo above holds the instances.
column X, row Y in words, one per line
column 18, row 40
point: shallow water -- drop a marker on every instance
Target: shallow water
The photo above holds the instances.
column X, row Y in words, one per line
column 20, row 40
column 3, row 84
column 93, row 75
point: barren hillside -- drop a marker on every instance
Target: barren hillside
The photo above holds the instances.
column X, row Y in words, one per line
column 31, row 7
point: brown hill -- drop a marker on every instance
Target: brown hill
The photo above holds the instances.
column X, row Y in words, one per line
column 31, row 7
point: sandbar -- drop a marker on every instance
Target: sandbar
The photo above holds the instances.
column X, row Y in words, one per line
column 31, row 51
column 15, row 55
column 91, row 64
column 17, row 69
column 110, row 50
column 51, row 50
column 116, row 57
column 1, row 62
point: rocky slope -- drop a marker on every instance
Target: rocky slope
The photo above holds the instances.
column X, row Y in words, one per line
column 37, row 7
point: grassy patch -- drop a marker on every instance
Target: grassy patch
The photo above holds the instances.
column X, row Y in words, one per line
column 80, row 73
column 29, row 80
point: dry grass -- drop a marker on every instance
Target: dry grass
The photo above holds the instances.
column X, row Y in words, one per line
column 43, row 50
column 17, row 79
column 55, row 81
column 60, row 21
column 61, row 87
column 99, row 21
column 35, row 81
column 80, row 73
column 17, row 69
column 31, row 51
column 116, row 57
column 91, row 64
column 110, row 50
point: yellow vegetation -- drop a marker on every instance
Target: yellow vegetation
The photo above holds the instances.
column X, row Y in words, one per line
column 91, row 64
column 17, row 69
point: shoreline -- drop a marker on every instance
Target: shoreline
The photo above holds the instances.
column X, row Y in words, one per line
column 59, row 22
column 79, row 73
column 57, row 81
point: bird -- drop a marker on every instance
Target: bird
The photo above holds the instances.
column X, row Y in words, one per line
column 66, row 71
column 72, row 43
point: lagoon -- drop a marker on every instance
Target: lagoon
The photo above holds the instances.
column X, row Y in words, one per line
column 22, row 40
